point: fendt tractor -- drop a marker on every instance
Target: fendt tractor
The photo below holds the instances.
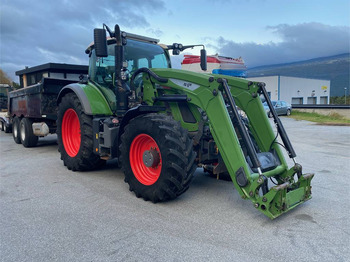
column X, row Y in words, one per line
column 162, row 123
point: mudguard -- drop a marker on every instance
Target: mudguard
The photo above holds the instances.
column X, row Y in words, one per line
column 91, row 98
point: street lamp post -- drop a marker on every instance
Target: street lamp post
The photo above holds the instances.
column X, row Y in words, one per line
column 345, row 94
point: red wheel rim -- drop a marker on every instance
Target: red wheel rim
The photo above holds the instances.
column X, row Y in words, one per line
column 71, row 132
column 146, row 175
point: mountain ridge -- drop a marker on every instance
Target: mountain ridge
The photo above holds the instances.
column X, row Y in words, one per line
column 335, row 68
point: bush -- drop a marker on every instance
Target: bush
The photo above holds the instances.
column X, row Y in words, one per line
column 339, row 100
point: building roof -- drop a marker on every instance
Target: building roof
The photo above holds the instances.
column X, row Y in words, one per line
column 53, row 67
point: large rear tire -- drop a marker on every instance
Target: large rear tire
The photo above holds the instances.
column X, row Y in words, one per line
column 28, row 139
column 15, row 130
column 157, row 157
column 75, row 136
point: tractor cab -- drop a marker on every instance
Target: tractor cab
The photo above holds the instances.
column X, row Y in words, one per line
column 117, row 62
column 139, row 52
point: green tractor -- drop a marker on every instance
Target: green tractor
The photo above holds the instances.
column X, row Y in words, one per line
column 163, row 123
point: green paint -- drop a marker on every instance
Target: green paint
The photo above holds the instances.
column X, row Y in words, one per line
column 101, row 99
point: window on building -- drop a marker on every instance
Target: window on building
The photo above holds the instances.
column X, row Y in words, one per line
column 311, row 100
column 324, row 100
column 297, row 100
column 31, row 80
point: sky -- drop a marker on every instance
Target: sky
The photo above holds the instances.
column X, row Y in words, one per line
column 262, row 32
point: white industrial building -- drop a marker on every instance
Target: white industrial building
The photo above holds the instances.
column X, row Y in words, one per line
column 296, row 90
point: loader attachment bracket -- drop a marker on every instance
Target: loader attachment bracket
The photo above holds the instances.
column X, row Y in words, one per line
column 282, row 198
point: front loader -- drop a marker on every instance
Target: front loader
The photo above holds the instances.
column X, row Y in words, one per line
column 162, row 123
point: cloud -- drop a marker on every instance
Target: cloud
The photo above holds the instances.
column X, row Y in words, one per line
column 156, row 32
column 298, row 42
column 41, row 31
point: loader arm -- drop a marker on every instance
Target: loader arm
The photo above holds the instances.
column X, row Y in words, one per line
column 214, row 96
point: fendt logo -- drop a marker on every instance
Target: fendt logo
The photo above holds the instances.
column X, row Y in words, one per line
column 186, row 84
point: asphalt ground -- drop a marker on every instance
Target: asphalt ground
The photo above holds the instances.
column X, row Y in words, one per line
column 48, row 213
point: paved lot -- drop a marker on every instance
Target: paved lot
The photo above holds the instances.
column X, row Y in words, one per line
column 48, row 213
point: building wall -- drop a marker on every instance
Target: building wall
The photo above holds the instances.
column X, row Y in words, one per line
column 295, row 90
column 271, row 85
column 310, row 90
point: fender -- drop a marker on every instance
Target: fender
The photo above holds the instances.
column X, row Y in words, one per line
column 136, row 111
column 91, row 98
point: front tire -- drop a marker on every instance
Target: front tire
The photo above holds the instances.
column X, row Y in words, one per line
column 157, row 157
column 28, row 139
column 15, row 130
column 75, row 136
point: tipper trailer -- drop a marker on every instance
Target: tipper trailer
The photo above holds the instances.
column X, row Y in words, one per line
column 33, row 108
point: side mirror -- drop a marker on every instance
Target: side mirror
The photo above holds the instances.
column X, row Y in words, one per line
column 100, row 42
column 203, row 59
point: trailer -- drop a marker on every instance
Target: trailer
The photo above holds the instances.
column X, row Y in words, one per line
column 5, row 124
column 33, row 108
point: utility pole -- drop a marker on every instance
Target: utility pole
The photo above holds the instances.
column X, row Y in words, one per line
column 345, row 94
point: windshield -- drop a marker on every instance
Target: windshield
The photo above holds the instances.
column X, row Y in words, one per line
column 137, row 54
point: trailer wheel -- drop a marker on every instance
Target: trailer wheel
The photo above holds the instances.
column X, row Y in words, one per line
column 75, row 136
column 6, row 128
column 15, row 130
column 28, row 139
column 157, row 157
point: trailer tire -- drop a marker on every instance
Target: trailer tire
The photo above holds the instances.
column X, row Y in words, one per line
column 6, row 128
column 162, row 139
column 28, row 139
column 15, row 130
column 75, row 136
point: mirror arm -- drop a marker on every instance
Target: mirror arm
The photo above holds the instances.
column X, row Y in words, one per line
column 110, row 32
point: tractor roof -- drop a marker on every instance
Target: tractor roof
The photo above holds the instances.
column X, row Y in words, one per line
column 111, row 40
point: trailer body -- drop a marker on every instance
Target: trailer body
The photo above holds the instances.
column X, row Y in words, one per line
column 33, row 110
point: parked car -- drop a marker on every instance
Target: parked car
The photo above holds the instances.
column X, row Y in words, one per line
column 281, row 108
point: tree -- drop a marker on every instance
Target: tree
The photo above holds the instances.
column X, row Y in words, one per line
column 4, row 78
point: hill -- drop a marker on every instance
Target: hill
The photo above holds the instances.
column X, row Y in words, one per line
column 335, row 68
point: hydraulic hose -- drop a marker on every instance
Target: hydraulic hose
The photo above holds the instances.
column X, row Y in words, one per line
column 150, row 73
